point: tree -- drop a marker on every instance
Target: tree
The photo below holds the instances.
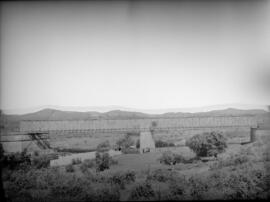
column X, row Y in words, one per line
column 102, row 161
column 207, row 144
column 125, row 142
column 153, row 127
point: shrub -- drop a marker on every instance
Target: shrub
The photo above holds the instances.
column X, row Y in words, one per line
column 178, row 189
column 160, row 175
column 122, row 178
column 167, row 158
column 232, row 160
column 42, row 161
column 104, row 192
column 16, row 160
column 142, row 191
column 130, row 151
column 160, row 143
column 125, row 142
column 207, row 144
column 240, row 183
column 198, row 185
column 87, row 163
column 104, row 146
column 76, row 161
column 69, row 168
column 178, row 158
column 102, row 161
column 133, row 133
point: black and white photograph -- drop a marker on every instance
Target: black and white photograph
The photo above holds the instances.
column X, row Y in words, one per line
column 148, row 100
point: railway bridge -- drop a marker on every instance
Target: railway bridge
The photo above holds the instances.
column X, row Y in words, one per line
column 41, row 131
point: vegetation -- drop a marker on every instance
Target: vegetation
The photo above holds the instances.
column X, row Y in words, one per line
column 102, row 161
column 104, row 146
column 69, row 168
column 42, row 161
column 16, row 160
column 133, row 133
column 153, row 126
column 125, row 142
column 138, row 144
column 122, row 178
column 207, row 144
column 160, row 175
column 76, row 161
column 142, row 191
column 169, row 158
column 160, row 143
column 86, row 164
column 130, row 151
column 234, row 175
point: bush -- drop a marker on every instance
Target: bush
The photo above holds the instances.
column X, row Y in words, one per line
column 160, row 175
column 102, row 161
column 178, row 158
column 104, row 192
column 122, row 178
column 125, row 142
column 42, row 161
column 232, row 160
column 88, row 163
column 133, row 133
column 207, row 144
column 104, row 146
column 69, row 168
column 240, row 183
column 160, row 143
column 130, row 151
column 178, row 189
column 76, row 161
column 142, row 191
column 16, row 160
column 167, row 158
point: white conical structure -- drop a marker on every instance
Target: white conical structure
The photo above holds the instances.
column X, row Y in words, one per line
column 146, row 141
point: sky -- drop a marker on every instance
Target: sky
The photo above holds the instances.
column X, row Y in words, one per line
column 143, row 54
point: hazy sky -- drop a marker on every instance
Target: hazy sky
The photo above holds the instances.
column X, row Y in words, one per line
column 134, row 54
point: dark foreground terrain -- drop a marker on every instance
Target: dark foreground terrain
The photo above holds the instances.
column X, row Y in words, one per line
column 241, row 172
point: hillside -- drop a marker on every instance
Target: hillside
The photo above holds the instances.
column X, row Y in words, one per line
column 52, row 114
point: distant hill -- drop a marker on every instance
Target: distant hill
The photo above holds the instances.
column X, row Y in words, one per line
column 12, row 121
column 53, row 115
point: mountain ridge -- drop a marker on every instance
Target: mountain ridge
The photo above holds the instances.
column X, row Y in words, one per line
column 54, row 114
